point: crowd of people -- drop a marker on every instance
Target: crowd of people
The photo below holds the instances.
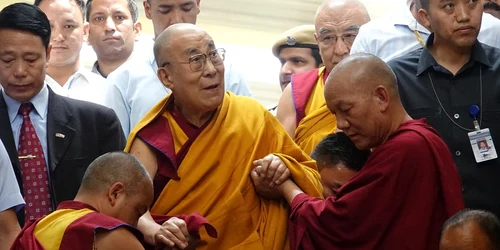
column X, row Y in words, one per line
column 383, row 137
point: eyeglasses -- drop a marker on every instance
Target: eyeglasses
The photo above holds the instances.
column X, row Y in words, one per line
column 198, row 62
column 329, row 39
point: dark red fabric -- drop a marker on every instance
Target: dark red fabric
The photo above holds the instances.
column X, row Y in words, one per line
column 399, row 200
column 33, row 169
column 302, row 87
column 159, row 136
column 79, row 235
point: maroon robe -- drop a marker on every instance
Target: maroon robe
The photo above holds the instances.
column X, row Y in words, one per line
column 302, row 85
column 399, row 200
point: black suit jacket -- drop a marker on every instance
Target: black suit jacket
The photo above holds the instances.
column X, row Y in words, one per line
column 89, row 130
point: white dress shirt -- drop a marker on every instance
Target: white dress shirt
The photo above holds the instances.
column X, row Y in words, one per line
column 10, row 195
column 393, row 36
column 82, row 85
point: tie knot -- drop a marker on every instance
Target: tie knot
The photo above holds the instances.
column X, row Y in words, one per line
column 25, row 109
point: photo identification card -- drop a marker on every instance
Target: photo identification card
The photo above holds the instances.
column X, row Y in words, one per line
column 482, row 145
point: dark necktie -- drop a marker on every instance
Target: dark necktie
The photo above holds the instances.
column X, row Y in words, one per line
column 33, row 169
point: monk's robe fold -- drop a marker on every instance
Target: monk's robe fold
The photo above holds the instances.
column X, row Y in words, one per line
column 71, row 227
column 399, row 200
column 314, row 119
column 213, row 176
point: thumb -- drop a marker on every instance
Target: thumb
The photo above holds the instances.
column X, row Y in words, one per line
column 257, row 162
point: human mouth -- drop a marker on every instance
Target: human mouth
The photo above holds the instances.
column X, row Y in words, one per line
column 112, row 39
column 465, row 30
column 212, row 87
column 57, row 48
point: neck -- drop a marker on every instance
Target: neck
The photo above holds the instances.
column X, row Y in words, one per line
column 195, row 117
column 400, row 117
column 88, row 199
column 451, row 58
column 63, row 73
column 108, row 66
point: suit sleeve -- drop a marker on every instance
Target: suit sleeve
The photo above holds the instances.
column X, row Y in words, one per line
column 111, row 136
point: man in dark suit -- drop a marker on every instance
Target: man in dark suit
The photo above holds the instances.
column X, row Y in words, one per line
column 50, row 139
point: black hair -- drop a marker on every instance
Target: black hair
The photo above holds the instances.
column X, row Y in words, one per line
column 487, row 221
column 132, row 7
column 26, row 17
column 314, row 51
column 338, row 148
column 79, row 3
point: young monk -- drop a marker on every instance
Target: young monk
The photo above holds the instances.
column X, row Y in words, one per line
column 406, row 190
column 116, row 190
column 338, row 160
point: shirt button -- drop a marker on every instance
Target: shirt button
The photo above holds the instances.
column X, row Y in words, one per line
column 456, row 116
column 458, row 153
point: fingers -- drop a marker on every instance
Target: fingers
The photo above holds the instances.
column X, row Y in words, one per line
column 173, row 233
column 283, row 177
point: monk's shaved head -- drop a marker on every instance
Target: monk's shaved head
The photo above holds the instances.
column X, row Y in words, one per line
column 365, row 71
column 115, row 167
column 362, row 92
column 337, row 24
column 165, row 43
column 329, row 7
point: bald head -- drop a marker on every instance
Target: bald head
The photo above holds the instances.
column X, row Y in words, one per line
column 365, row 71
column 337, row 24
column 115, row 167
column 362, row 92
column 471, row 229
column 169, row 38
column 330, row 7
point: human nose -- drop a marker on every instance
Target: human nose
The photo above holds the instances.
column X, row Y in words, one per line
column 286, row 68
column 57, row 34
column 462, row 13
column 341, row 47
column 20, row 69
column 110, row 24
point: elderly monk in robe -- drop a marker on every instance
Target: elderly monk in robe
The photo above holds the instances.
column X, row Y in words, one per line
column 302, row 109
column 405, row 191
column 115, row 191
column 200, row 144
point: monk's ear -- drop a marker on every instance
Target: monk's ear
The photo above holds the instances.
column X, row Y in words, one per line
column 115, row 192
column 165, row 78
column 382, row 97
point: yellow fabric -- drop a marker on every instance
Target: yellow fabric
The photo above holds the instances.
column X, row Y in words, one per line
column 50, row 230
column 317, row 98
column 214, row 176
column 318, row 122
column 180, row 137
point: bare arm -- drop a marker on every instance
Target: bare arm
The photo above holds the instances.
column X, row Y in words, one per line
column 286, row 113
column 120, row 238
column 289, row 190
column 9, row 228
column 172, row 232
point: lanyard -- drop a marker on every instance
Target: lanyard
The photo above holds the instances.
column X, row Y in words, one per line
column 419, row 38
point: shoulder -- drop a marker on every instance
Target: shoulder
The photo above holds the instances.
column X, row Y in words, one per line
column 80, row 107
column 414, row 138
column 492, row 53
column 118, row 238
column 410, row 58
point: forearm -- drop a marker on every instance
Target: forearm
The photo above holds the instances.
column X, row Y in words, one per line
column 148, row 227
column 9, row 228
column 290, row 190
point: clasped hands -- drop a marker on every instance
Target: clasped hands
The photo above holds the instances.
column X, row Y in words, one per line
column 268, row 175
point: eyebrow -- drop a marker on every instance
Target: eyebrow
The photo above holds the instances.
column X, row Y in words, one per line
column 323, row 31
column 352, row 28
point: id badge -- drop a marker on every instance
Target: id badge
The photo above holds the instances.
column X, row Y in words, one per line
column 482, row 145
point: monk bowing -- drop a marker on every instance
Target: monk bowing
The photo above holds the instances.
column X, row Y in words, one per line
column 200, row 144
column 405, row 191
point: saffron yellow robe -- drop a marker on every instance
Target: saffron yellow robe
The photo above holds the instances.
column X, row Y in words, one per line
column 318, row 122
column 215, row 175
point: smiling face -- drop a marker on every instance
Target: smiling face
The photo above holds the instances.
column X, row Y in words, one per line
column 112, row 31
column 454, row 22
column 66, row 21
column 203, row 90
column 23, row 59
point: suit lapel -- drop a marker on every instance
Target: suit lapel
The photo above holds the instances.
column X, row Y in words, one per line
column 59, row 129
column 6, row 133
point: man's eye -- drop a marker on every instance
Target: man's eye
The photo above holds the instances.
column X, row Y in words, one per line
column 100, row 18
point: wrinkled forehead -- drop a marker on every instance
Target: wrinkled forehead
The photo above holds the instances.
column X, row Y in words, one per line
column 191, row 43
column 105, row 4
column 339, row 20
